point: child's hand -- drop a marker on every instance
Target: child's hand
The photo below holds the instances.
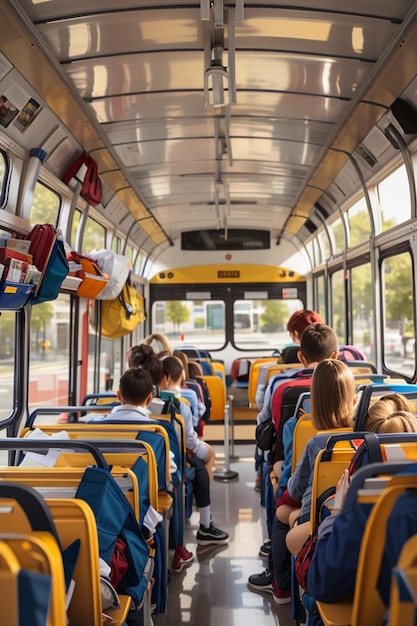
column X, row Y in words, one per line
column 341, row 491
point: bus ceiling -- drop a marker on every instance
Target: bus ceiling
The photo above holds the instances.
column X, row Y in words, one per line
column 214, row 116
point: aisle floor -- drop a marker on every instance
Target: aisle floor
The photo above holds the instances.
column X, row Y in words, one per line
column 213, row 591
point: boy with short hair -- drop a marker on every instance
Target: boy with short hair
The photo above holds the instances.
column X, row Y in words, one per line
column 135, row 393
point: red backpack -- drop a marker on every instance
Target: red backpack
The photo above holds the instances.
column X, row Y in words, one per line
column 92, row 190
column 283, row 404
column 48, row 252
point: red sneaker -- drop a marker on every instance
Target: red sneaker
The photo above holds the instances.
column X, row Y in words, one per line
column 182, row 557
column 281, row 596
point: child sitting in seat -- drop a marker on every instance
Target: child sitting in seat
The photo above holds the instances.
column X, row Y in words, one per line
column 200, row 455
column 318, row 343
column 332, row 572
column 390, row 414
column 135, row 393
column 333, row 400
column 190, row 392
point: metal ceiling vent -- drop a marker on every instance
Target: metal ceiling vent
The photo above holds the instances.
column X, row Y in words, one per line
column 216, row 80
column 366, row 155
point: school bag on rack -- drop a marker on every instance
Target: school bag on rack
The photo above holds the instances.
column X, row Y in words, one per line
column 84, row 169
column 94, row 280
column 117, row 267
column 120, row 316
column 48, row 252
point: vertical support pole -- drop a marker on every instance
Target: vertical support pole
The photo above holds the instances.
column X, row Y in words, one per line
column 232, row 429
column 226, row 473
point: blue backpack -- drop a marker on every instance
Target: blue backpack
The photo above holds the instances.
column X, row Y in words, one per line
column 47, row 249
column 114, row 518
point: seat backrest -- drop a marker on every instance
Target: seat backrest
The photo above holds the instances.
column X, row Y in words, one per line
column 108, row 398
column 9, row 585
column 113, row 432
column 303, row 431
column 366, row 606
column 376, row 448
column 280, row 368
column 24, row 511
column 403, row 605
column 326, row 475
column 369, row 391
column 254, row 376
column 205, row 366
column 283, row 404
column 63, row 482
column 218, row 369
column 74, row 520
column 350, row 353
column 240, row 370
column 36, row 557
column 217, row 391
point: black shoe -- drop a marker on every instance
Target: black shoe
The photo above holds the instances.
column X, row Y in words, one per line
column 265, row 549
column 261, row 582
column 211, row 535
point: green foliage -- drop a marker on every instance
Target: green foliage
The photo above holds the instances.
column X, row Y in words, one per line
column 7, row 329
column 45, row 206
column 360, row 227
column 275, row 314
column 199, row 322
column 339, row 236
column 362, row 293
column 74, row 227
column 398, row 288
column 338, row 305
column 94, row 236
column 41, row 315
column 177, row 313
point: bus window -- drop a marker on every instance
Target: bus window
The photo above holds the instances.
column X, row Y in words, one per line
column 198, row 322
column 7, row 355
column 129, row 252
column 110, row 366
column 394, row 199
column 359, row 223
column 45, row 205
column 317, row 253
column 94, row 236
column 49, row 352
column 324, row 244
column 362, row 310
column 116, row 245
column 338, row 306
column 262, row 324
column 337, row 233
column 319, row 295
column 399, row 343
column 74, row 227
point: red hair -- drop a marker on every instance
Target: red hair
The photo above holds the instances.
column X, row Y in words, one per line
column 301, row 319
